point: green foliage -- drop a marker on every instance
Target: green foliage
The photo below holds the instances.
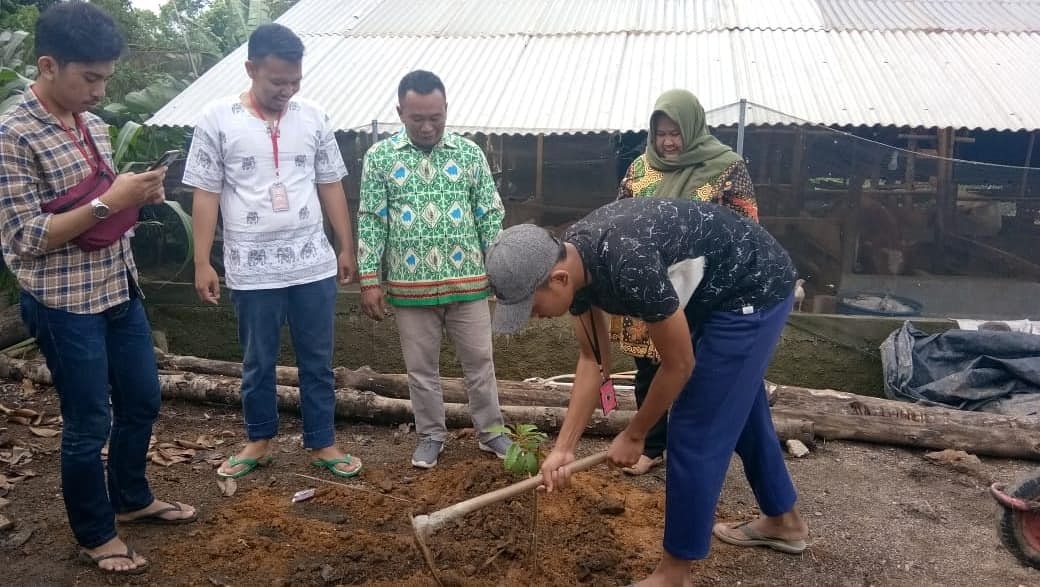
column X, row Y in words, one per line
column 9, row 290
column 165, row 52
column 243, row 18
column 522, row 458
column 161, row 229
column 140, row 105
column 19, row 16
column 15, row 73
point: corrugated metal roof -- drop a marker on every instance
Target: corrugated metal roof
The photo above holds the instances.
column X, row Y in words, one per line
column 560, row 17
column 607, row 82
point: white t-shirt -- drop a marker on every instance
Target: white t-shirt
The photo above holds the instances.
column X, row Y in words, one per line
column 232, row 154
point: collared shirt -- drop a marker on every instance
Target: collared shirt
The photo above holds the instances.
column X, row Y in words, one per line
column 647, row 258
column 268, row 246
column 430, row 216
column 38, row 162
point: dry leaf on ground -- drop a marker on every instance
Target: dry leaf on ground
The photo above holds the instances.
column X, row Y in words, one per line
column 15, row 456
column 44, row 432
column 211, row 457
column 228, row 486
column 202, row 442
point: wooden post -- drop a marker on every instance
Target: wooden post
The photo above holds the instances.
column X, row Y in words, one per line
column 851, row 224
column 908, row 179
column 1029, row 159
column 797, row 172
column 539, row 160
column 741, row 126
column 946, row 199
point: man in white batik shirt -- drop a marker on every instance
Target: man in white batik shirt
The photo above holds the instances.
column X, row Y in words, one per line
column 269, row 163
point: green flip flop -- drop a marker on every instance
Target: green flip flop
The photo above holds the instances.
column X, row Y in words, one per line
column 250, row 466
column 330, row 464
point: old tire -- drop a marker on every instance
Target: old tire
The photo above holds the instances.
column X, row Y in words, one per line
column 1020, row 530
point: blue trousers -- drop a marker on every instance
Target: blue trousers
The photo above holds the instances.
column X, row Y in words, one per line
column 723, row 408
column 310, row 309
column 104, row 371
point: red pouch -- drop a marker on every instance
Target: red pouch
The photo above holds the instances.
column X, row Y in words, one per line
column 107, row 231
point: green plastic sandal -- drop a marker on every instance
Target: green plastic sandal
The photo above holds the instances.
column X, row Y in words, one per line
column 330, row 464
column 251, row 465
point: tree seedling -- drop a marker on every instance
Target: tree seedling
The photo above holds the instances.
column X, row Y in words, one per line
column 522, row 459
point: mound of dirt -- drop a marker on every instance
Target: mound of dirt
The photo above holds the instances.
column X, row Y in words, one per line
column 364, row 534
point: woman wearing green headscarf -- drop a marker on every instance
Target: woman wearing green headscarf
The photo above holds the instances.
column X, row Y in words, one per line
column 681, row 161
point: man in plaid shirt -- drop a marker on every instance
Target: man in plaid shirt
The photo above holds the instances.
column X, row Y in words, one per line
column 84, row 306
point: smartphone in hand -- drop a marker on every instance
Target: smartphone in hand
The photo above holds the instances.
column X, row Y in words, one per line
column 167, row 158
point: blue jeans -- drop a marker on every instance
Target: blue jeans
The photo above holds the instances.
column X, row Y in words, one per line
column 103, row 368
column 310, row 309
column 724, row 408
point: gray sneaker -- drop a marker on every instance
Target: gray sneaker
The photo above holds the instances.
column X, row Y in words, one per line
column 425, row 455
column 498, row 445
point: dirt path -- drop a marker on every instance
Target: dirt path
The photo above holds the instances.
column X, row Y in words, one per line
column 879, row 516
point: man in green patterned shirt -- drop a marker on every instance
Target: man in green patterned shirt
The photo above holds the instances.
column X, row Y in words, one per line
column 429, row 209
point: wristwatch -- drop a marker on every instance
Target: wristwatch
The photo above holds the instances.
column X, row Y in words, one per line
column 100, row 209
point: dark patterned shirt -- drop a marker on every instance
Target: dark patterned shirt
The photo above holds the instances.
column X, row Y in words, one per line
column 38, row 163
column 629, row 246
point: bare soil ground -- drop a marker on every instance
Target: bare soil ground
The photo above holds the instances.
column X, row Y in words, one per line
column 879, row 516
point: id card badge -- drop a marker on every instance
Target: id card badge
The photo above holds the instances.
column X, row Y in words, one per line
column 279, row 197
column 607, row 397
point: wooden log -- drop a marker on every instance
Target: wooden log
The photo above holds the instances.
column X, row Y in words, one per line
column 510, row 393
column 366, row 406
column 837, row 415
column 797, row 413
column 352, row 404
column 12, row 330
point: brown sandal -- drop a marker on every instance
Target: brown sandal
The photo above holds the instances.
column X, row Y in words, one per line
column 743, row 534
column 95, row 561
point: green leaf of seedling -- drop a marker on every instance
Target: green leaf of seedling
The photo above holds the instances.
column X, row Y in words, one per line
column 523, row 430
column 529, row 463
column 512, row 457
column 499, row 429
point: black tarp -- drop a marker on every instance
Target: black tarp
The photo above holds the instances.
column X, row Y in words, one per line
column 985, row 370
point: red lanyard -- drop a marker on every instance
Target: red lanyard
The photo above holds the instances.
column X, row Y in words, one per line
column 272, row 128
column 68, row 131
